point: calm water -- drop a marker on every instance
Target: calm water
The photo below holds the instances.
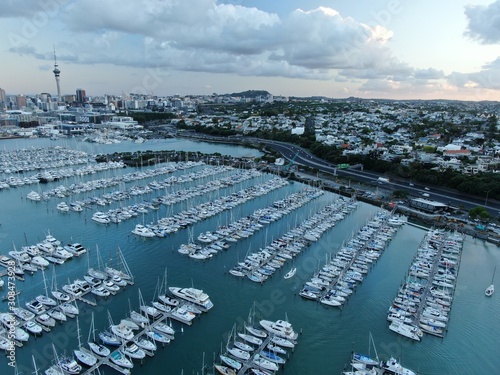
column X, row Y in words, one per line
column 328, row 334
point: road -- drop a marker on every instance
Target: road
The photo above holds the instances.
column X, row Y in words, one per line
column 303, row 157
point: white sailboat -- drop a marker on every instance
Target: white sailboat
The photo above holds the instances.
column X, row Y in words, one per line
column 96, row 348
column 83, row 356
column 491, row 289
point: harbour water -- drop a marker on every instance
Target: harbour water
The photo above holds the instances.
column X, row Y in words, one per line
column 328, row 335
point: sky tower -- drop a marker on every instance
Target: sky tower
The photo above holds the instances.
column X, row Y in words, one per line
column 57, row 72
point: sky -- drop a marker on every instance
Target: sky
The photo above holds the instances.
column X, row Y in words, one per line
column 394, row 49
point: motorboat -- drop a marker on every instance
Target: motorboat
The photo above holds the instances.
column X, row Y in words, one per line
column 290, row 273
column 143, row 231
column 75, row 248
column 46, row 320
column 100, row 291
column 406, row 330
column 33, row 328
column 35, row 306
column 180, row 313
column 62, row 207
column 119, row 359
column 133, row 351
column 393, row 367
column 489, row 290
column 34, row 196
column 57, row 314
column 195, row 296
column 39, row 261
column 61, row 253
column 122, row 331
column 46, row 300
column 69, row 366
column 167, row 300
column 101, row 217
column 69, row 309
column 23, row 313
column 150, row 311
column 111, row 286
column 145, row 344
column 280, row 328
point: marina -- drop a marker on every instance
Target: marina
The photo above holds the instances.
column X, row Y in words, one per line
column 328, row 335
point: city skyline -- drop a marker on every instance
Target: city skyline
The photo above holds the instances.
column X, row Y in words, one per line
column 391, row 49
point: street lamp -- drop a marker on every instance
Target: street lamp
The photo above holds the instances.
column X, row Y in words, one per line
column 486, row 200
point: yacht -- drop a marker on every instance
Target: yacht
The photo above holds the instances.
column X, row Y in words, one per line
column 195, row 296
column 35, row 306
column 101, row 217
column 393, row 367
column 123, row 331
column 46, row 320
column 119, row 359
column 62, row 207
column 145, row 344
column 290, row 273
column 489, row 291
column 142, row 231
column 406, row 330
column 23, row 313
column 34, row 196
column 33, row 328
column 280, row 328
column 69, row 309
column 69, row 366
column 133, row 351
column 75, row 249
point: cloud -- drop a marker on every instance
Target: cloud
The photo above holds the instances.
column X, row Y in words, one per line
column 486, row 78
column 484, row 22
column 214, row 37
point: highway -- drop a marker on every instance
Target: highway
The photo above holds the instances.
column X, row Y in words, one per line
column 303, row 157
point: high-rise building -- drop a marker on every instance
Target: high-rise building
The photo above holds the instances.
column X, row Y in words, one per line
column 57, row 72
column 81, row 97
column 21, row 101
column 3, row 99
